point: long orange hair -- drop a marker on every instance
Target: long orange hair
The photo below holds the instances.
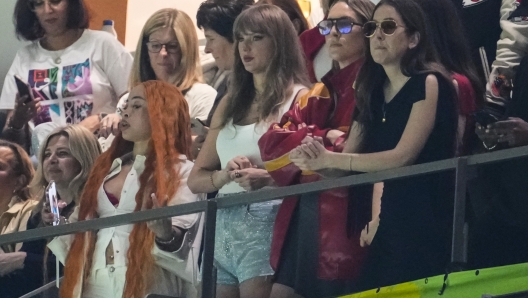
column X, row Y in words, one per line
column 170, row 137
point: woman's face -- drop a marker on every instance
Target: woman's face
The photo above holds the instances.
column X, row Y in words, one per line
column 221, row 49
column 59, row 164
column 166, row 57
column 52, row 15
column 255, row 50
column 8, row 180
column 345, row 48
column 389, row 50
column 135, row 125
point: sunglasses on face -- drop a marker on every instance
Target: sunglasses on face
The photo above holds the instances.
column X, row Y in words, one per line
column 387, row 27
column 38, row 4
column 343, row 25
column 155, row 47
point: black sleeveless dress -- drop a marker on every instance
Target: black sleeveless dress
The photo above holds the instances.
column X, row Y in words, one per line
column 413, row 238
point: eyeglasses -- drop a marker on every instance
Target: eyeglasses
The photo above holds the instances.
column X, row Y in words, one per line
column 343, row 25
column 155, row 47
column 38, row 4
column 387, row 27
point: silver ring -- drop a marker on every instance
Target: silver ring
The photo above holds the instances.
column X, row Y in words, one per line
column 237, row 174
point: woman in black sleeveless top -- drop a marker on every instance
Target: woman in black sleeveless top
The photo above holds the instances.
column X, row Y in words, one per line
column 405, row 114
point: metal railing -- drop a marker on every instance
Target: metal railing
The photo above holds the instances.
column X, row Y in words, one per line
column 463, row 166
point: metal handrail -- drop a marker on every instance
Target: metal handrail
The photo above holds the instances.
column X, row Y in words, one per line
column 42, row 289
column 263, row 195
column 462, row 165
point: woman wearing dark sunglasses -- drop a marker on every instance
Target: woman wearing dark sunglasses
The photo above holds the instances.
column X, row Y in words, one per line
column 405, row 115
column 310, row 250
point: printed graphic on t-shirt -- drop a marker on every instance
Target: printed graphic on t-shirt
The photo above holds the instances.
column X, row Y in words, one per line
column 468, row 3
column 45, row 82
column 66, row 95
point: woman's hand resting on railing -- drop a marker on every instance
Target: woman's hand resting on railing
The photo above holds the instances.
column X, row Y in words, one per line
column 513, row 131
column 368, row 233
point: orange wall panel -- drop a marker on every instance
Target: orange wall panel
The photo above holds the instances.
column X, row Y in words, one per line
column 109, row 10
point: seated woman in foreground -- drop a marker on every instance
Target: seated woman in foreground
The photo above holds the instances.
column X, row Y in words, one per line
column 66, row 158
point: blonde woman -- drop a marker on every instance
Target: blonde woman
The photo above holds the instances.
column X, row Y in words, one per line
column 66, row 157
column 167, row 50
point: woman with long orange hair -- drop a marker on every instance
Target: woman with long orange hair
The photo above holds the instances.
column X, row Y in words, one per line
column 146, row 167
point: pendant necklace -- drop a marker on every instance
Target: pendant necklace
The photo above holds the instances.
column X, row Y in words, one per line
column 58, row 59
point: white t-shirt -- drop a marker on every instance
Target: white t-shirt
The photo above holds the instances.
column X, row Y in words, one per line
column 84, row 79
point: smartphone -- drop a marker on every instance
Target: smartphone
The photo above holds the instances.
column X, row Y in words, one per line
column 485, row 118
column 198, row 127
column 23, row 89
column 51, row 195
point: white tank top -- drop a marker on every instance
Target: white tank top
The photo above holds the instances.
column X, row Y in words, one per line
column 242, row 140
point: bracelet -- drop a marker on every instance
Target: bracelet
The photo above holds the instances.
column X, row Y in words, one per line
column 211, row 178
column 489, row 148
column 350, row 164
column 165, row 242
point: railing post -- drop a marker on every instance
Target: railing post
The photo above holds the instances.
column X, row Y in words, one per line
column 209, row 272
column 459, row 239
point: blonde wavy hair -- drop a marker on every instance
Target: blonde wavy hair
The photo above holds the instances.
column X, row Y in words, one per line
column 190, row 70
column 84, row 148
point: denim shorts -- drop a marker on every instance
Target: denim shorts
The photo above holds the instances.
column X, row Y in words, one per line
column 243, row 242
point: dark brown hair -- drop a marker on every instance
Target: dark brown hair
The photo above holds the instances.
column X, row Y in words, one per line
column 419, row 60
column 220, row 15
column 292, row 9
column 21, row 166
column 28, row 27
column 447, row 37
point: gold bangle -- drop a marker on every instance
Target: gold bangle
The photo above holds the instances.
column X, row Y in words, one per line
column 211, row 177
column 350, row 164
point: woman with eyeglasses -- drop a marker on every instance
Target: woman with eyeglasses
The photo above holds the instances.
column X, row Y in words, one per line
column 76, row 74
column 405, row 114
column 313, row 230
column 167, row 50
